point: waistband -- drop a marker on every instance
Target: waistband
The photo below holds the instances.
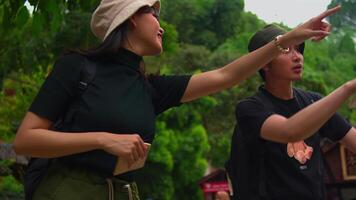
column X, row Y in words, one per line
column 113, row 183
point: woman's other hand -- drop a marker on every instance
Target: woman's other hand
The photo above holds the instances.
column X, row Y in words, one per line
column 129, row 146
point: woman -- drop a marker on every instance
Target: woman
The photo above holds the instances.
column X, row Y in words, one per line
column 117, row 112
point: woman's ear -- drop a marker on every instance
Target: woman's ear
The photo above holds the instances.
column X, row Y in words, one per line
column 132, row 21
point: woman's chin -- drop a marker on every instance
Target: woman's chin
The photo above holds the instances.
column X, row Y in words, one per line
column 156, row 51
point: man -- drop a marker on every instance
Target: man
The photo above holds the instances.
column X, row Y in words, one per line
column 276, row 143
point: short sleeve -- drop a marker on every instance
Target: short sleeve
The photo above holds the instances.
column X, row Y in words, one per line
column 335, row 128
column 59, row 88
column 250, row 115
column 168, row 91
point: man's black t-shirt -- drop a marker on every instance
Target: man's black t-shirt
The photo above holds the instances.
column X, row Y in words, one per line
column 119, row 100
column 286, row 177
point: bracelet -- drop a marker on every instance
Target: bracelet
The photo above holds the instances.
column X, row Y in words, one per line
column 277, row 43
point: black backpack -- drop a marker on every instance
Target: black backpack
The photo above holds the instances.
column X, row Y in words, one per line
column 37, row 167
column 242, row 175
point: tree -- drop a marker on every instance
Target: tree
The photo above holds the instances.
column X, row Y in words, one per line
column 346, row 17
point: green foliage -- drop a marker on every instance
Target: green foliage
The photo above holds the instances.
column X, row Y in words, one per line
column 170, row 38
column 345, row 19
column 203, row 22
column 347, row 44
column 18, row 92
column 22, row 16
column 10, row 184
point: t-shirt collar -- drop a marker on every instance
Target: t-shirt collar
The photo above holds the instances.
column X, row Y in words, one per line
column 128, row 58
column 263, row 89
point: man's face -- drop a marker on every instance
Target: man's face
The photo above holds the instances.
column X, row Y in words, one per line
column 288, row 66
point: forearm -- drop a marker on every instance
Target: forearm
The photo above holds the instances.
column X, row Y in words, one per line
column 233, row 73
column 47, row 143
column 242, row 68
column 306, row 122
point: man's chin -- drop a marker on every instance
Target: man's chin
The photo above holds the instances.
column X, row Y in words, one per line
column 297, row 79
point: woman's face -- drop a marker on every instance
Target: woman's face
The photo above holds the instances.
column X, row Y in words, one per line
column 147, row 31
column 287, row 66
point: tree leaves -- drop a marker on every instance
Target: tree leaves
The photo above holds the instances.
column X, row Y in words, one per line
column 1, row 14
column 346, row 17
column 33, row 2
column 38, row 22
column 22, row 16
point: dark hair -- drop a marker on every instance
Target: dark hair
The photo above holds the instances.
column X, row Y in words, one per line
column 262, row 74
column 113, row 42
column 110, row 46
column 149, row 9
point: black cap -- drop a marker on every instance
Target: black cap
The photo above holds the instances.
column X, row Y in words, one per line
column 266, row 35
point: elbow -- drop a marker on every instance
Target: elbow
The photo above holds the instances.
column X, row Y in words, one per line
column 291, row 133
column 277, row 128
column 293, row 136
column 18, row 144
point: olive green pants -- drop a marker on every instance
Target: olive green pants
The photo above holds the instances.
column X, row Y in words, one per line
column 67, row 183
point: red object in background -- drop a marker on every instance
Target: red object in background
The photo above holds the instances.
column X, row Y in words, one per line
column 213, row 183
column 215, row 187
column 9, row 92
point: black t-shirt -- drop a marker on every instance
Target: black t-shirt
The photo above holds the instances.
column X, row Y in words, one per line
column 286, row 177
column 119, row 100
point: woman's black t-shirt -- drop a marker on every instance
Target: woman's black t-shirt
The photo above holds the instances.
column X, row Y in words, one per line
column 118, row 100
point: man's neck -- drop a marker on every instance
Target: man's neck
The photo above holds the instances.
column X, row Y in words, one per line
column 280, row 89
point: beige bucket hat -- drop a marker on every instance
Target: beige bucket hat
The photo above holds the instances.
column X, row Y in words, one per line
column 111, row 13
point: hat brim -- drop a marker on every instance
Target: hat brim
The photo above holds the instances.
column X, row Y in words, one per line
column 266, row 35
column 129, row 10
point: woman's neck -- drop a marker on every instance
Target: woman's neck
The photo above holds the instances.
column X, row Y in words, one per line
column 127, row 44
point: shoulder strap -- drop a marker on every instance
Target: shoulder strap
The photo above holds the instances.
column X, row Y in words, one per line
column 87, row 75
column 306, row 97
column 262, row 187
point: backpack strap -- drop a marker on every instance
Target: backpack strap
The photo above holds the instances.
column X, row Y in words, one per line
column 262, row 185
column 306, row 97
column 37, row 167
column 87, row 75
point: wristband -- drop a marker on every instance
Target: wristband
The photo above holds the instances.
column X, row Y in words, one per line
column 277, row 43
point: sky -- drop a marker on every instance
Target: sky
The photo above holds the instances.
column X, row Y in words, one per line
column 290, row 12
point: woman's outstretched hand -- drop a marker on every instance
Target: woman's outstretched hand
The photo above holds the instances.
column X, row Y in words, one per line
column 315, row 29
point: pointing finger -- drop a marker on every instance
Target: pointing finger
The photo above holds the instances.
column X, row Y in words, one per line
column 328, row 12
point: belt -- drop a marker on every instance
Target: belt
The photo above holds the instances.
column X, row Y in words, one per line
column 111, row 190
